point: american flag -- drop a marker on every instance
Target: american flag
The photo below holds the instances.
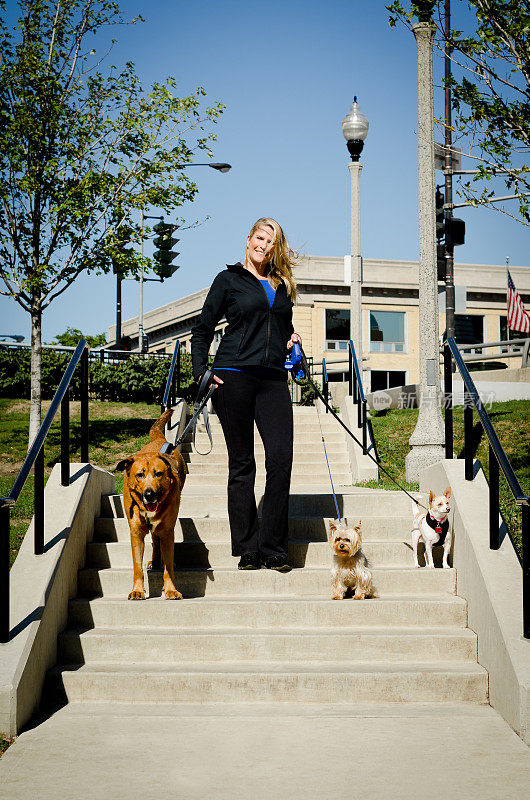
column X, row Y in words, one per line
column 518, row 319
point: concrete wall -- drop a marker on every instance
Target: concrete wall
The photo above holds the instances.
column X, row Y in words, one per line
column 491, row 582
column 362, row 466
column 41, row 586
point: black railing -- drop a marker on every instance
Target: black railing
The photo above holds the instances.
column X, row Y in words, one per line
column 35, row 457
column 104, row 356
column 325, row 383
column 172, row 390
column 497, row 460
column 356, row 392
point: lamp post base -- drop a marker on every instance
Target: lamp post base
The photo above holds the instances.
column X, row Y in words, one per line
column 427, row 441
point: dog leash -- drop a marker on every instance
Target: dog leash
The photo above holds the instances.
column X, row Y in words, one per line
column 206, row 389
column 329, row 469
column 301, row 375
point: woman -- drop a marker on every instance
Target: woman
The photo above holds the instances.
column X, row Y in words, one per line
column 257, row 300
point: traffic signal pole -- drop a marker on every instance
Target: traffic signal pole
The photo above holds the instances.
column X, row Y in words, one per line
column 449, row 247
column 118, row 311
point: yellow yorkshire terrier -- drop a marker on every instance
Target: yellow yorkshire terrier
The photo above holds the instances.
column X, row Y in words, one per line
column 350, row 567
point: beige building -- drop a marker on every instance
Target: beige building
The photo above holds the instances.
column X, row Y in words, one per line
column 390, row 315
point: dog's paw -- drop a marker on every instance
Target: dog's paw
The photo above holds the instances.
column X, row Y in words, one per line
column 360, row 596
column 337, row 597
column 446, row 566
column 136, row 595
column 172, row 594
column 154, row 566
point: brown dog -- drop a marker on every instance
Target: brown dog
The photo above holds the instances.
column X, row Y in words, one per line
column 151, row 496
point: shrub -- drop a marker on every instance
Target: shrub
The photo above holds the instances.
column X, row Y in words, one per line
column 134, row 380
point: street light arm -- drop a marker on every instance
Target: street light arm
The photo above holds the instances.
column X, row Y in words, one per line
column 220, row 167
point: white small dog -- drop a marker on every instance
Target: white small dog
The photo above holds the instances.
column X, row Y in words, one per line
column 432, row 528
column 350, row 567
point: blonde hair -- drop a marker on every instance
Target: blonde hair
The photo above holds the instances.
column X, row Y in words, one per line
column 283, row 258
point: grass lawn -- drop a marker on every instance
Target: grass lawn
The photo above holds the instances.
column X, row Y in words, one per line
column 117, row 430
column 4, row 743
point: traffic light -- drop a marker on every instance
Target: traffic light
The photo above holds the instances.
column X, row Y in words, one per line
column 455, row 231
column 164, row 255
column 452, row 228
column 121, row 252
column 440, row 261
column 440, row 214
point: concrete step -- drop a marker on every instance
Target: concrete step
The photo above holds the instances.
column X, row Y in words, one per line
column 259, row 682
column 218, row 554
column 337, row 446
column 216, row 478
column 355, row 503
column 217, row 529
column 313, row 469
column 194, row 460
column 301, row 424
column 438, row 610
column 300, row 437
column 243, row 644
column 264, row 582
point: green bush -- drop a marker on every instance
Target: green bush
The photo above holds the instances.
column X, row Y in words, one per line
column 134, row 380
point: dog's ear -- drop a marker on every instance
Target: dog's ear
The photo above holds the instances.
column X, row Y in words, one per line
column 331, row 528
column 431, row 497
column 124, row 464
column 177, row 467
column 447, row 492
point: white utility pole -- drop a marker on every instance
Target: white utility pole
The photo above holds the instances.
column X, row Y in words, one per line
column 427, row 441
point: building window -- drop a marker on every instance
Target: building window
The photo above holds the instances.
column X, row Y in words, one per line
column 381, row 379
column 469, row 329
column 387, row 331
column 337, row 328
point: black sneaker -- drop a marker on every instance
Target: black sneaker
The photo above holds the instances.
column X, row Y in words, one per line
column 250, row 561
column 279, row 563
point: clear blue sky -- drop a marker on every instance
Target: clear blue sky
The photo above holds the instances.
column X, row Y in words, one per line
column 287, row 72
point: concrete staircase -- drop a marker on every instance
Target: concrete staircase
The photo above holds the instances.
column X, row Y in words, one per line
column 260, row 636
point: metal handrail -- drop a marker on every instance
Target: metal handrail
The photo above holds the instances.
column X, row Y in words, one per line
column 35, row 457
column 357, row 394
column 497, row 459
column 325, row 382
column 500, row 455
column 169, row 383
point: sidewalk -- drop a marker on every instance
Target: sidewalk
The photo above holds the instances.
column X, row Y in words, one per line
column 258, row 752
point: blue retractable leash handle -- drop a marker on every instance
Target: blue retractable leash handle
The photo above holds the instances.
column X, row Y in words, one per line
column 294, row 364
column 206, row 389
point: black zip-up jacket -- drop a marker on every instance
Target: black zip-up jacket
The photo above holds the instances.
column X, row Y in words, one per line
column 256, row 335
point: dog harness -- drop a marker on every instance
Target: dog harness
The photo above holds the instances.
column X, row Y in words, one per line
column 439, row 526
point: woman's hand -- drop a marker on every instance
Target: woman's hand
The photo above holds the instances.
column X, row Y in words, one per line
column 215, row 380
column 294, row 338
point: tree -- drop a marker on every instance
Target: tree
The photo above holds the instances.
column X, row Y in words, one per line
column 79, row 151
column 71, row 337
column 490, row 94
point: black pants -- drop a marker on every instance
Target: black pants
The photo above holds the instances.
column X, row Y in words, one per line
column 241, row 400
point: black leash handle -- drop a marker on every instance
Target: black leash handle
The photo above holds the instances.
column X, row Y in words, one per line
column 206, row 389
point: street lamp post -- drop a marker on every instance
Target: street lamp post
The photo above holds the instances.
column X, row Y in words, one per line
column 355, row 130
column 427, row 440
